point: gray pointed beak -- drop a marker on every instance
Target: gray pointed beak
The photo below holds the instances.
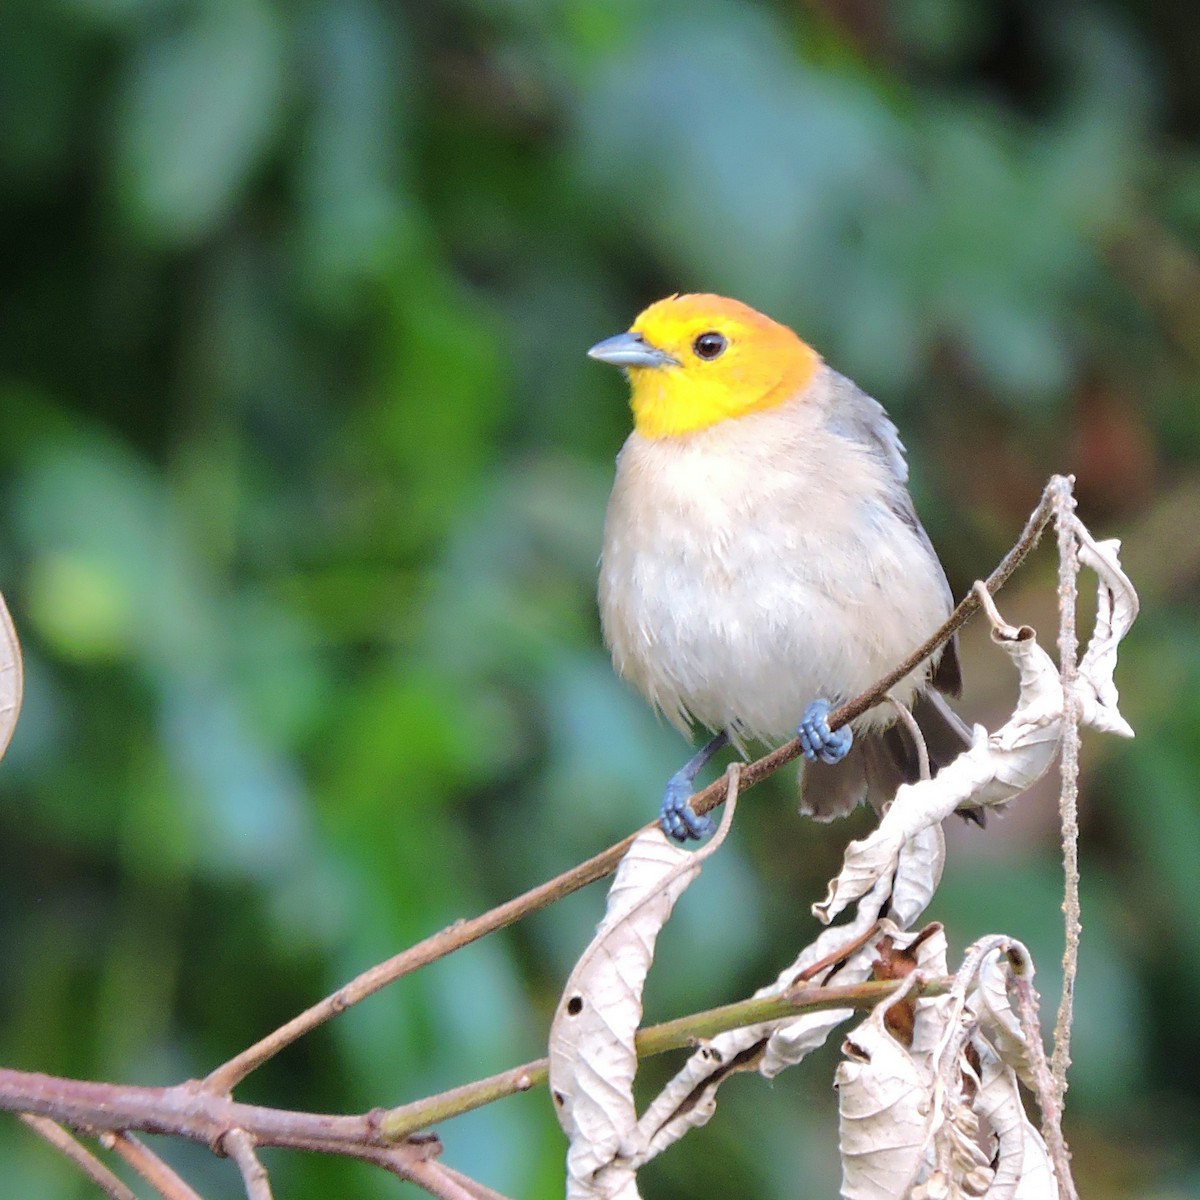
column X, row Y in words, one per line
column 630, row 350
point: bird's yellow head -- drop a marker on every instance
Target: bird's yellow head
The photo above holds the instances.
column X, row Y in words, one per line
column 696, row 360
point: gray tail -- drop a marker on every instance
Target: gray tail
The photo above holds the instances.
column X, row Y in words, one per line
column 879, row 763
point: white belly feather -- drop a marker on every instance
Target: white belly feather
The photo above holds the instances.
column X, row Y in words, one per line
column 756, row 565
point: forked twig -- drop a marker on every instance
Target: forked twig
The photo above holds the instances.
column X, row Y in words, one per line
column 149, row 1166
column 74, row 1151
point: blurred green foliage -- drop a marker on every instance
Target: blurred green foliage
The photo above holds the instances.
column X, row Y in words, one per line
column 303, row 469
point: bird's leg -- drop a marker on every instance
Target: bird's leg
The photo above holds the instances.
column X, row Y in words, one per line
column 817, row 740
column 676, row 818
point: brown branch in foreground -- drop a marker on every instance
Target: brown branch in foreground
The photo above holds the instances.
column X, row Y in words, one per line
column 149, row 1166
column 240, row 1146
column 80, row 1155
column 187, row 1110
column 453, row 937
column 225, row 1077
column 478, row 1191
column 438, row 1181
column 205, row 1112
column 191, row 1111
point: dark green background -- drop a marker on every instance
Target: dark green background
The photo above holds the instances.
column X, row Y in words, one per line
column 302, row 469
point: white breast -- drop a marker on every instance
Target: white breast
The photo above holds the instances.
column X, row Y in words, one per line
column 751, row 567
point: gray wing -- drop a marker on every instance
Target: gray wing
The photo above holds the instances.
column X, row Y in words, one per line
column 863, row 420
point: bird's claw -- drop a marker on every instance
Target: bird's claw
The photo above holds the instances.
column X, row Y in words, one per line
column 677, row 819
column 817, row 740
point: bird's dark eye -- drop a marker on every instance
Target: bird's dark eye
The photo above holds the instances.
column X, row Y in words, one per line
column 710, row 345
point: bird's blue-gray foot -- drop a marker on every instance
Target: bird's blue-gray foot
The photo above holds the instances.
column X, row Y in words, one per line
column 817, row 740
column 677, row 819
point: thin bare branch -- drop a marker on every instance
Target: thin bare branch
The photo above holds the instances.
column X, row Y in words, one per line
column 149, row 1166
column 191, row 1111
column 453, row 937
column 407, row 1119
column 204, row 1111
column 444, row 1184
column 225, row 1077
column 415, row 1162
column 905, row 717
column 239, row 1145
column 1068, row 801
column 70, row 1148
column 478, row 1190
column 680, row 1034
column 186, row 1110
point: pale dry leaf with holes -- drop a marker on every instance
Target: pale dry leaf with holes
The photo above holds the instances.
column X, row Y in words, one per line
column 884, row 1085
column 1025, row 1167
column 883, row 1105
column 938, row 1116
column 919, row 866
column 689, row 1099
column 999, row 766
column 12, row 678
column 592, row 1056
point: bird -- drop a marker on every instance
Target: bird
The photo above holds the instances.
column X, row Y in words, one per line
column 762, row 560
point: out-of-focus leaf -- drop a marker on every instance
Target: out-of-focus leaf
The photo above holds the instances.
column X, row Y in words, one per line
column 199, row 109
column 82, row 607
column 738, row 157
column 442, row 389
column 352, row 172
